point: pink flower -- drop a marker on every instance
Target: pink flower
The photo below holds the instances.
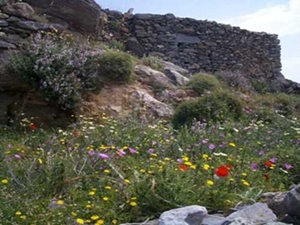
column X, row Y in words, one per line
column 132, row 150
column 288, row 166
column 211, row 146
column 121, row 153
column 103, row 156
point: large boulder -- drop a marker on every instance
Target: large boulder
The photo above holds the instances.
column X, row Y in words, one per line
column 83, row 16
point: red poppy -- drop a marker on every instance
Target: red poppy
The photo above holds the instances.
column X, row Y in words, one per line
column 183, row 167
column 222, row 171
column 268, row 163
column 32, row 126
column 266, row 176
column 76, row 132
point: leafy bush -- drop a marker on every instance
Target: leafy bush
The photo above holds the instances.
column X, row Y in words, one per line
column 201, row 83
column 153, row 62
column 116, row 45
column 216, row 107
column 61, row 70
column 235, row 80
column 117, row 66
column 260, row 85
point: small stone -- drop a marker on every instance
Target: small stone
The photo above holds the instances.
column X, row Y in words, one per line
column 13, row 19
column 3, row 23
column 3, row 16
column 2, row 34
column 190, row 215
column 29, row 25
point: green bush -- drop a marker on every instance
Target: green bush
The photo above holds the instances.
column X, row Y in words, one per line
column 235, row 80
column 116, row 45
column 216, row 107
column 117, row 66
column 153, row 62
column 200, row 83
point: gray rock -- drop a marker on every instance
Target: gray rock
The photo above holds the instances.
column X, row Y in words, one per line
column 83, row 16
column 274, row 201
column 276, row 223
column 132, row 45
column 3, row 23
column 258, row 213
column 237, row 221
column 29, row 25
column 6, row 45
column 141, row 16
column 292, row 202
column 213, row 220
column 156, row 107
column 13, row 39
column 190, row 215
column 152, row 222
column 176, row 77
column 171, row 66
column 13, row 19
column 152, row 77
column 3, row 15
column 183, row 38
column 19, row 9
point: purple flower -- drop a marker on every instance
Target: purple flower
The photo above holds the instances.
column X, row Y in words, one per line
column 132, row 150
column 179, row 160
column 17, row 156
column 254, row 166
column 103, row 156
column 273, row 160
column 288, row 166
column 151, row 151
column 211, row 146
column 205, row 141
column 91, row 153
column 261, row 152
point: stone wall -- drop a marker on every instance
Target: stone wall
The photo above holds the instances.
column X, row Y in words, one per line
column 208, row 46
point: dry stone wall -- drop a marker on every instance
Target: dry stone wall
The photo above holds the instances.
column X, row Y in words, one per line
column 207, row 46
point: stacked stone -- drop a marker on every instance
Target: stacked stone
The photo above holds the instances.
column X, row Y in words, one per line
column 208, row 46
column 17, row 22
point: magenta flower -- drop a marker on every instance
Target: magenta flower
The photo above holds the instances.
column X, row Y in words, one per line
column 179, row 160
column 205, row 141
column 132, row 150
column 91, row 153
column 288, row 166
column 254, row 166
column 151, row 151
column 273, row 160
column 103, row 156
column 17, row 156
column 211, row 146
column 261, row 152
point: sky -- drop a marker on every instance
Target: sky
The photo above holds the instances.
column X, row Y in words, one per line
column 280, row 17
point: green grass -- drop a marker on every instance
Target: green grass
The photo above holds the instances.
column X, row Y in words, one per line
column 62, row 176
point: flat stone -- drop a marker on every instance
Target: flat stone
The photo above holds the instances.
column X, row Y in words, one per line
column 3, row 23
column 6, row 45
column 258, row 213
column 19, row 9
column 13, row 19
column 3, row 15
column 13, row 39
column 186, row 39
column 29, row 25
column 176, row 77
column 213, row 220
column 190, row 215
column 143, row 16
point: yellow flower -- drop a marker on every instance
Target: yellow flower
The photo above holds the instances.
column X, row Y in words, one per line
column 142, row 170
column 232, row 145
column 23, row 217
column 193, row 167
column 205, row 156
column 127, row 181
column 106, row 171
column 74, row 214
column 99, row 222
column 91, row 193
column 206, row 167
column 60, row 202
column 80, row 221
column 245, row 183
column 185, row 158
column 94, row 217
column 114, row 221
column 18, row 213
column 40, row 161
column 105, row 198
column 4, row 181
column 188, row 163
column 209, row 182
column 133, row 204
column 244, row 174
column 107, row 187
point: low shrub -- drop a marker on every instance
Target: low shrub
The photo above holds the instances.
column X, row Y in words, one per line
column 153, row 62
column 116, row 45
column 60, row 69
column 200, row 83
column 117, row 66
column 216, row 107
column 235, row 80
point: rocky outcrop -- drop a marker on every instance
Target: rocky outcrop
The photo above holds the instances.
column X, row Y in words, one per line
column 80, row 15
